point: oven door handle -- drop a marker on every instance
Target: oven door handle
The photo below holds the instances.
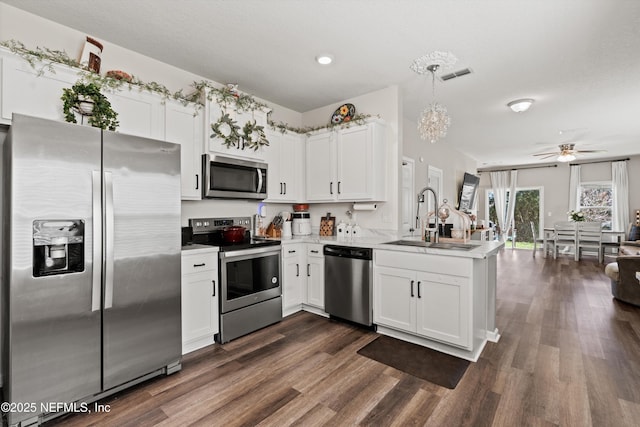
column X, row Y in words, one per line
column 252, row 251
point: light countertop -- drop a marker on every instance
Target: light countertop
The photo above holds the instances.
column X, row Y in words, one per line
column 481, row 250
column 196, row 248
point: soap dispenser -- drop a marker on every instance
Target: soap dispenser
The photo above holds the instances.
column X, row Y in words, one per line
column 341, row 230
column 356, row 232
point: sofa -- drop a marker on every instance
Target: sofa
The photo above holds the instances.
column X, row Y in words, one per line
column 624, row 284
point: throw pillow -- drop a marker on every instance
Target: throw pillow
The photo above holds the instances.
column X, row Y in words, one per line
column 634, row 233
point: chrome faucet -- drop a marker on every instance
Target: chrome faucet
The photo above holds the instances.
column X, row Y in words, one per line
column 421, row 200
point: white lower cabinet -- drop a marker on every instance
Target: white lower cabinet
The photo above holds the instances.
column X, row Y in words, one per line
column 293, row 278
column 199, row 299
column 303, row 278
column 315, row 276
column 429, row 299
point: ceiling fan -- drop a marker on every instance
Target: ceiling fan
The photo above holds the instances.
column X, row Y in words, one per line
column 567, row 153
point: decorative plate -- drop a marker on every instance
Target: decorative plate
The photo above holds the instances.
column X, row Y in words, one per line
column 344, row 113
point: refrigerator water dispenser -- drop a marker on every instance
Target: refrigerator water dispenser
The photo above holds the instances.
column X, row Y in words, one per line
column 58, row 247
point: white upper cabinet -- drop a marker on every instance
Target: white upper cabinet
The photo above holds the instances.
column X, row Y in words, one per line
column 216, row 144
column 320, row 168
column 184, row 126
column 347, row 165
column 285, row 156
column 23, row 91
column 139, row 113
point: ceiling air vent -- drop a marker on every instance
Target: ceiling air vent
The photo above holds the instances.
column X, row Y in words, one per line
column 455, row 74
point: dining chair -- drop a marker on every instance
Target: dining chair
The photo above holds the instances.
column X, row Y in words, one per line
column 537, row 240
column 590, row 238
column 565, row 235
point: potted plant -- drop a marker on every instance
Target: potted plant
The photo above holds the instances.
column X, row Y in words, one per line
column 86, row 99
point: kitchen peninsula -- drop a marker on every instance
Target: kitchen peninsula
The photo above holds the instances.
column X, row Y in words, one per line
column 444, row 299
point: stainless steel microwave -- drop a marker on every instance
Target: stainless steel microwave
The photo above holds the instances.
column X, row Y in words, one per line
column 229, row 178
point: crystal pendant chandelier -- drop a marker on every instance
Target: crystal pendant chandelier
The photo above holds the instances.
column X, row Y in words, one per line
column 434, row 121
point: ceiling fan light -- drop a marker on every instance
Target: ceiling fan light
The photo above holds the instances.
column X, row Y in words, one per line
column 566, row 158
column 520, row 105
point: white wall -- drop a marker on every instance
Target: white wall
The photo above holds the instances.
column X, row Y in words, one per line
column 440, row 155
column 387, row 104
column 555, row 181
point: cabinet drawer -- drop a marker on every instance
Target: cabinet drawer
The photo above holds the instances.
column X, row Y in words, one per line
column 314, row 249
column 198, row 263
column 289, row 251
column 455, row 266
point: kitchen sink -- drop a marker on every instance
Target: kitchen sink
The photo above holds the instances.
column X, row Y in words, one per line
column 434, row 245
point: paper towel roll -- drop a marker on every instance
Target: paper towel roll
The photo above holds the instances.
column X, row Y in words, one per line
column 365, row 206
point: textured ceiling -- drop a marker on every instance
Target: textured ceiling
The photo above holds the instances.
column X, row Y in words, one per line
column 579, row 60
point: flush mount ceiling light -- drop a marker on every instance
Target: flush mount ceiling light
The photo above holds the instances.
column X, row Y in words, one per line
column 434, row 121
column 324, row 59
column 520, row 105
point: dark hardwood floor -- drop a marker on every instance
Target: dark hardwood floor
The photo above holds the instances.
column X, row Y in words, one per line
column 569, row 355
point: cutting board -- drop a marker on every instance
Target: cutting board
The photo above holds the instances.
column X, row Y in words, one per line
column 327, row 225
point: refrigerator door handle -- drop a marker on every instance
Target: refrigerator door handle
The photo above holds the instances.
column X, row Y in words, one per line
column 96, row 208
column 109, row 240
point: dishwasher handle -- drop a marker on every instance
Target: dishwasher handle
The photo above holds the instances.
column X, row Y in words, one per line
column 348, row 252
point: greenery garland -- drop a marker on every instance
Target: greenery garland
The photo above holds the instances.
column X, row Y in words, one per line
column 358, row 119
column 202, row 89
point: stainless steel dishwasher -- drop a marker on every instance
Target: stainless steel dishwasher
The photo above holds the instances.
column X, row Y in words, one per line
column 348, row 283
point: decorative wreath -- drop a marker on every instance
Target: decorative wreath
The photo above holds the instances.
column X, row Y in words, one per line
column 254, row 135
column 226, row 129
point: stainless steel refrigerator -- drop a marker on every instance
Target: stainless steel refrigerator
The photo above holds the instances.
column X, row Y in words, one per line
column 91, row 283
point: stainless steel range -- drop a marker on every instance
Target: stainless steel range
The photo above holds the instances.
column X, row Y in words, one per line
column 249, row 276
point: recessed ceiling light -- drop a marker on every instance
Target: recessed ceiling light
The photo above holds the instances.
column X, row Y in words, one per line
column 324, row 59
column 520, row 105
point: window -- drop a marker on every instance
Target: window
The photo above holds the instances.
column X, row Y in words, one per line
column 595, row 200
column 528, row 208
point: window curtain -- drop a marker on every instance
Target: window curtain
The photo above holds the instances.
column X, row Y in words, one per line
column 574, row 186
column 620, row 186
column 501, row 183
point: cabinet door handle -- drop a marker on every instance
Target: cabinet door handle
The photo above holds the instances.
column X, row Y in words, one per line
column 308, row 273
column 339, row 182
column 331, row 188
column 285, row 187
column 297, row 270
column 199, row 265
column 197, row 182
column 292, row 251
column 214, row 288
column 419, row 289
column 313, row 251
column 412, row 295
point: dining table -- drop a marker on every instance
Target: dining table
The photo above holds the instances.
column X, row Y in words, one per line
column 610, row 239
